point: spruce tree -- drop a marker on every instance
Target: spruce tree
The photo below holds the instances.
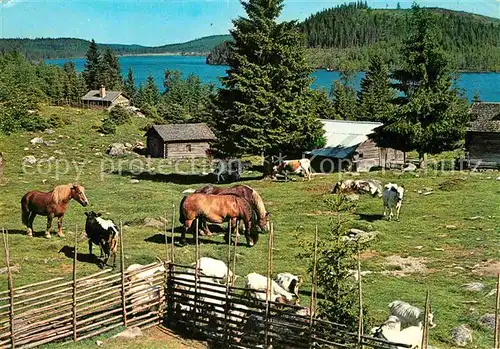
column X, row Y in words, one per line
column 111, row 76
column 375, row 100
column 264, row 104
column 344, row 97
column 433, row 114
column 129, row 85
column 92, row 67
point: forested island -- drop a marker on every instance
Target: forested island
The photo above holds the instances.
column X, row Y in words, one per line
column 345, row 37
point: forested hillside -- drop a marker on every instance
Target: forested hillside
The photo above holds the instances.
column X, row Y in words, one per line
column 37, row 49
column 346, row 35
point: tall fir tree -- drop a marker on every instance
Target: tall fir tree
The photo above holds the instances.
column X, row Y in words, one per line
column 111, row 76
column 344, row 97
column 129, row 85
column 376, row 98
column 433, row 114
column 92, row 67
column 264, row 104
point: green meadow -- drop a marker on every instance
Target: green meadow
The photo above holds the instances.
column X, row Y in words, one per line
column 435, row 245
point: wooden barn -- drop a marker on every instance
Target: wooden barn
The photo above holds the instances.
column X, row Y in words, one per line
column 348, row 147
column 103, row 99
column 179, row 140
column 482, row 142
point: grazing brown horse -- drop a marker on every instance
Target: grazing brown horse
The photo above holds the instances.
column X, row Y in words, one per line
column 245, row 192
column 51, row 204
column 218, row 209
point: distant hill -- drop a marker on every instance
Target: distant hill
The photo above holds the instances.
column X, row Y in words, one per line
column 347, row 34
column 48, row 48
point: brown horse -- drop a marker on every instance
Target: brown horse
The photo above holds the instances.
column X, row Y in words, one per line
column 51, row 204
column 245, row 192
column 218, row 209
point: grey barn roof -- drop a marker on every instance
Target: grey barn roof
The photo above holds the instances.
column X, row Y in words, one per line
column 94, row 95
column 184, row 132
column 488, row 117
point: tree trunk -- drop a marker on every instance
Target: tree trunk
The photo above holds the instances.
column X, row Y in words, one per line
column 267, row 166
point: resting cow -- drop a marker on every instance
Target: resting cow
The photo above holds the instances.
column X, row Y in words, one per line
column 294, row 166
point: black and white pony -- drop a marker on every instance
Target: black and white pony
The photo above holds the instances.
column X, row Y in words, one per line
column 103, row 233
column 393, row 199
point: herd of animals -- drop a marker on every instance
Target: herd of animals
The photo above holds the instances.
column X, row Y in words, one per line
column 212, row 204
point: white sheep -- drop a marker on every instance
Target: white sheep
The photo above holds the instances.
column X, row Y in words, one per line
column 289, row 282
column 393, row 199
column 391, row 331
column 141, row 289
column 259, row 282
column 212, row 267
column 408, row 314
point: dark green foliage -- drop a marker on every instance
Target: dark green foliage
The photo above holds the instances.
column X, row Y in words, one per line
column 129, row 85
column 477, row 97
column 37, row 49
column 107, row 127
column 432, row 115
column 185, row 100
column 375, row 100
column 74, row 84
column 92, row 68
column 354, row 31
column 343, row 94
column 219, row 54
column 110, row 71
column 336, row 257
column 148, row 94
column 265, row 102
column 119, row 115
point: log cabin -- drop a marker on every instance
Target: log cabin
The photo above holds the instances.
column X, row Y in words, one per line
column 179, row 140
column 102, row 99
column 348, row 147
column 482, row 141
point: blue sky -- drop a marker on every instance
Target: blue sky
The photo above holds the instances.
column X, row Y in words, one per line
column 164, row 21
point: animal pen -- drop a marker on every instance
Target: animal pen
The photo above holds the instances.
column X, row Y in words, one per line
column 64, row 311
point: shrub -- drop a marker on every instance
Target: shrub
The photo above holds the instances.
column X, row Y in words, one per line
column 58, row 121
column 119, row 115
column 107, row 127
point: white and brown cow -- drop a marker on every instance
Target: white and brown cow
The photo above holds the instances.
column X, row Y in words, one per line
column 294, row 166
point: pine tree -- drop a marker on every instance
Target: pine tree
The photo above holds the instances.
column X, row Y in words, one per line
column 398, row 6
column 433, row 114
column 129, row 85
column 344, row 97
column 375, row 100
column 264, row 104
column 92, row 67
column 110, row 71
column 151, row 92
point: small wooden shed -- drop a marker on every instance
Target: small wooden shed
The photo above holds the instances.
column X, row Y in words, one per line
column 179, row 140
column 348, row 147
column 482, row 142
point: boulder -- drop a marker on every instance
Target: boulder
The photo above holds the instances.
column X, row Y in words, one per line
column 461, row 335
column 37, row 140
column 153, row 223
column 134, row 181
column 29, row 160
column 117, row 149
column 410, row 168
column 488, row 320
column 474, row 287
column 49, row 131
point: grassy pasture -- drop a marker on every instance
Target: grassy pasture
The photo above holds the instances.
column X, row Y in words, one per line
column 435, row 229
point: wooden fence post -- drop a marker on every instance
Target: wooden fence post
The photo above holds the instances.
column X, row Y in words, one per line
column 122, row 269
column 166, row 240
column 11, row 287
column 172, row 255
column 75, row 256
column 268, row 286
column 425, row 334
column 312, row 304
column 360, row 290
column 497, row 306
column 196, row 267
column 226, row 307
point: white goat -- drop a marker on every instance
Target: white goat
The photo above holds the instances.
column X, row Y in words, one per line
column 258, row 283
column 214, row 268
column 289, row 282
column 393, row 198
column 391, row 331
column 408, row 314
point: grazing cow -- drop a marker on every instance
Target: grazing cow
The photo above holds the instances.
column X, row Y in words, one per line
column 371, row 186
column 258, row 283
column 294, row 166
column 213, row 268
column 289, row 282
column 409, row 314
column 102, row 232
column 393, row 199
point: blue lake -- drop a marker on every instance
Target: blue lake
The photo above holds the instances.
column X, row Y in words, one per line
column 487, row 84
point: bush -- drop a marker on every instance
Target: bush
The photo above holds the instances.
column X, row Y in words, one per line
column 119, row 115
column 107, row 127
column 58, row 121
